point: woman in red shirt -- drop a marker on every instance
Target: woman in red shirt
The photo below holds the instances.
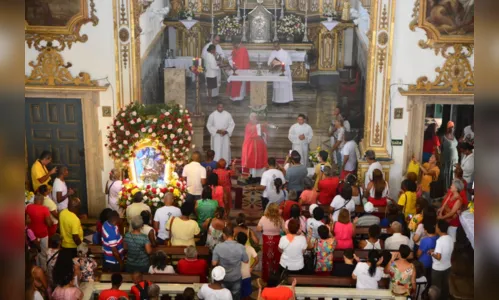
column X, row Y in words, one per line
column 431, row 142
column 191, row 265
column 224, row 179
column 451, row 206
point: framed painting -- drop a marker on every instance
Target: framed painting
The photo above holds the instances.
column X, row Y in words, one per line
column 446, row 22
column 149, row 166
column 57, row 20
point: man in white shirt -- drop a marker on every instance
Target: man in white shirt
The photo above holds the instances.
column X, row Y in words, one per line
column 195, row 176
column 218, row 53
column 60, row 191
column 220, row 125
column 283, row 91
column 441, row 256
column 373, row 165
column 212, row 70
column 162, row 215
column 349, row 156
column 300, row 135
column 273, row 172
column 343, row 200
column 397, row 238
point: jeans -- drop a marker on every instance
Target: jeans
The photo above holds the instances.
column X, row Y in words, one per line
column 42, row 256
column 160, row 241
column 111, row 268
column 234, row 287
column 441, row 280
column 339, row 159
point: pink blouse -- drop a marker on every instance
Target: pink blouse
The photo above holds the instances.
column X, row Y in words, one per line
column 67, row 293
column 343, row 234
column 268, row 227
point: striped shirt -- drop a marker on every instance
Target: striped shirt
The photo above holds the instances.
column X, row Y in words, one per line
column 111, row 237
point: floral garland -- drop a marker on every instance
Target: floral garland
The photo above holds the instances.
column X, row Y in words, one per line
column 228, row 26
column 153, row 193
column 167, row 125
column 29, row 197
column 290, row 25
column 313, row 156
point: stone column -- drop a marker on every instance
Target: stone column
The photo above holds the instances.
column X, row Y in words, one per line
column 175, row 86
column 198, row 125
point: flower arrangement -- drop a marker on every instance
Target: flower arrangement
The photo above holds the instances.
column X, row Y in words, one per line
column 229, row 26
column 153, row 193
column 29, row 197
column 329, row 11
column 313, row 156
column 186, row 14
column 167, row 125
column 290, row 25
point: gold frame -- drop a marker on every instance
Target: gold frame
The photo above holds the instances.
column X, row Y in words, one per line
column 64, row 35
column 149, row 143
column 435, row 39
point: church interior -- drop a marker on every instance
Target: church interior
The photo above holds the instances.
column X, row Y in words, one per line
column 390, row 68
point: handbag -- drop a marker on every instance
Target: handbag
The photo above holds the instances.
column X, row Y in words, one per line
column 310, row 260
column 168, row 242
column 204, row 235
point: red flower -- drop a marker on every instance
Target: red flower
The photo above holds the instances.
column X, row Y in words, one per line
column 178, row 184
column 163, row 190
column 154, row 190
column 170, row 190
column 148, row 186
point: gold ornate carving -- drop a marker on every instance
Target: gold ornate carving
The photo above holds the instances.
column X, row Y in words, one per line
column 444, row 23
column 50, row 70
column 455, row 76
column 383, row 24
column 381, row 58
column 298, row 71
column 377, row 134
column 63, row 35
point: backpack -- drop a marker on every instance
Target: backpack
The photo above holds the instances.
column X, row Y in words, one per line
column 143, row 292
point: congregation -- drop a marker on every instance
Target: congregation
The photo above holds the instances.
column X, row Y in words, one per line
column 327, row 225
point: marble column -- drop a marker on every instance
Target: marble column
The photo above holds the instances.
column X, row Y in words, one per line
column 175, row 86
column 198, row 125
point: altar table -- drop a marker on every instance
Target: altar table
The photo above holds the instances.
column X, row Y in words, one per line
column 296, row 56
column 258, row 85
column 181, row 62
column 468, row 222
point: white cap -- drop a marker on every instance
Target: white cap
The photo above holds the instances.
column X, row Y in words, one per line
column 218, row 273
column 311, row 208
column 368, row 207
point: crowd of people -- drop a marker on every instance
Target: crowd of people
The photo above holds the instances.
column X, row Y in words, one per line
column 305, row 220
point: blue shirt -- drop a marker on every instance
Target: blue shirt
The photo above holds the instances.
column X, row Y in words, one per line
column 426, row 244
column 111, row 237
column 212, row 164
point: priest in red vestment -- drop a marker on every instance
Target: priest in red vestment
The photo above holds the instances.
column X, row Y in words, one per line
column 254, row 152
column 240, row 60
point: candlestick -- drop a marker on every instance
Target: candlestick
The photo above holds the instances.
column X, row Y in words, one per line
column 282, row 69
column 275, row 22
column 243, row 39
column 282, row 9
column 305, row 33
column 212, row 29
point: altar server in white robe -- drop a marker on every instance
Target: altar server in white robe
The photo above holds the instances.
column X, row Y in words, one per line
column 283, row 91
column 300, row 135
column 219, row 53
column 220, row 125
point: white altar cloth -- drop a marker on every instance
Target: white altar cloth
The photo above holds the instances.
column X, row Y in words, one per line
column 298, row 56
column 250, row 75
column 468, row 222
column 181, row 62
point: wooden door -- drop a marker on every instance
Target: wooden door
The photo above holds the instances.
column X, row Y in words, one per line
column 56, row 125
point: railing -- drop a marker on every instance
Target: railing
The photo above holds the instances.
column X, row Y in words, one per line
column 91, row 289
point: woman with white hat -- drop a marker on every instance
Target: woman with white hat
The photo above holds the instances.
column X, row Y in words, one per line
column 215, row 290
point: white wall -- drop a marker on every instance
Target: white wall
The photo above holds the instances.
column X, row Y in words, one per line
column 96, row 57
column 151, row 23
column 409, row 62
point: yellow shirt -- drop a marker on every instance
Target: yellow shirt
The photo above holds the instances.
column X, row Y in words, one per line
column 38, row 171
column 135, row 209
column 318, row 173
column 69, row 224
column 427, row 179
column 182, row 232
column 50, row 204
column 410, row 206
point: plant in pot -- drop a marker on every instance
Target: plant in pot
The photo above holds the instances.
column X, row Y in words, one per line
column 290, row 26
column 228, row 27
column 329, row 13
column 186, row 14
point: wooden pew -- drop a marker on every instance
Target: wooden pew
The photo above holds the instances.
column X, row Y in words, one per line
column 364, row 230
column 361, row 253
column 331, row 281
column 96, row 251
column 155, row 278
column 359, row 209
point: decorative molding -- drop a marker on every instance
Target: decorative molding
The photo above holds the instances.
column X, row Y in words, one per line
column 450, row 32
column 66, row 35
column 377, row 135
column 51, row 70
column 455, row 76
column 383, row 24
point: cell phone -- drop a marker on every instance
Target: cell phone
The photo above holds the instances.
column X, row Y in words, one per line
column 410, row 216
column 322, row 168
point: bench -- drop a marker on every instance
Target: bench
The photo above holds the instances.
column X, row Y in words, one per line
column 359, row 209
column 361, row 253
column 155, row 278
column 364, row 230
column 330, row 281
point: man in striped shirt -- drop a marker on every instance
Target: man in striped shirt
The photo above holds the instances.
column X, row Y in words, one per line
column 112, row 244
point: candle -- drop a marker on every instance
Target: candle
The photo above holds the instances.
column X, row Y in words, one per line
column 200, row 61
column 282, row 65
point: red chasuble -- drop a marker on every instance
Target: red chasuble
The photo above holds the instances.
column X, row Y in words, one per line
column 254, row 152
column 241, row 58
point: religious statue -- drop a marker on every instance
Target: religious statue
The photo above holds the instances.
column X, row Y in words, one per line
column 260, row 20
column 149, row 166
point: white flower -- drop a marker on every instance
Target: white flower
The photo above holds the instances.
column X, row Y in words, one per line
column 123, row 114
column 150, row 130
column 165, row 136
column 188, row 138
column 122, row 128
column 185, row 111
column 176, row 150
column 170, row 126
column 114, row 135
column 128, row 202
column 157, row 151
column 145, row 198
column 125, row 142
column 154, row 204
column 187, row 132
column 163, row 126
column 120, row 146
column 139, row 120
column 153, row 134
column 155, row 120
column 132, row 122
column 174, row 142
column 193, row 146
column 136, row 135
column 127, row 133
column 167, row 113
column 161, row 195
column 134, row 113
column 180, row 142
column 179, row 120
column 143, row 129
column 172, row 135
column 179, row 130
column 118, row 123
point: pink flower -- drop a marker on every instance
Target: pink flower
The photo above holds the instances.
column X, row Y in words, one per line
column 143, row 130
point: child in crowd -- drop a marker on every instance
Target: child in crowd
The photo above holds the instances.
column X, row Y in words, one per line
column 87, row 264
column 160, row 264
column 247, row 268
